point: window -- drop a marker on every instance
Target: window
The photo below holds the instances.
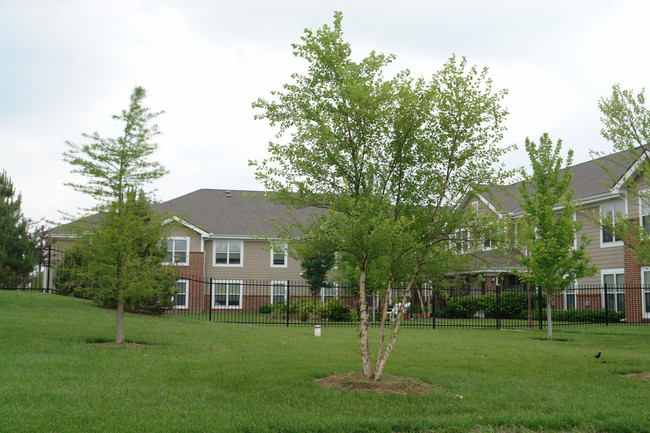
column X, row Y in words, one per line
column 645, row 292
column 228, row 253
column 330, row 292
column 227, row 294
column 178, row 251
column 279, row 256
column 570, row 300
column 278, row 292
column 610, row 213
column 462, row 240
column 181, row 297
column 614, row 281
column 644, row 210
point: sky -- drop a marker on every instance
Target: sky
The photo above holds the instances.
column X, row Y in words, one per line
column 66, row 66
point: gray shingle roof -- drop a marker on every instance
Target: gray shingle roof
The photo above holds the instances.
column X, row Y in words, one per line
column 229, row 212
column 589, row 179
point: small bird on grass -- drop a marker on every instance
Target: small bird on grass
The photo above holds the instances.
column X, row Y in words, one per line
column 597, row 355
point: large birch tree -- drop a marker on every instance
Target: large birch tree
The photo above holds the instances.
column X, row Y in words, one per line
column 388, row 159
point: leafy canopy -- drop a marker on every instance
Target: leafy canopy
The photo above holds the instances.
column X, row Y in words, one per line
column 387, row 159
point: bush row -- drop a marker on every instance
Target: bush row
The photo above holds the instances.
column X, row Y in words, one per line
column 511, row 306
column 307, row 309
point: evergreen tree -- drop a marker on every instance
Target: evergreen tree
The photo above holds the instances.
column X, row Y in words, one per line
column 17, row 245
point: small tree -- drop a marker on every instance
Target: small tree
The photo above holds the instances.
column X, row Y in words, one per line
column 547, row 231
column 17, row 245
column 388, row 159
column 123, row 269
column 315, row 269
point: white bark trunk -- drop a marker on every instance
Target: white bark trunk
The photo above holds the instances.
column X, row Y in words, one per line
column 549, row 316
column 364, row 349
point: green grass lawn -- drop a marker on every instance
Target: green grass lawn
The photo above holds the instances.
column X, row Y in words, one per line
column 196, row 376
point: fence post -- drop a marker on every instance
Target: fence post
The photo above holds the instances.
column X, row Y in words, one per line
column 287, row 300
column 49, row 266
column 498, row 290
column 210, row 300
column 433, row 308
column 540, row 302
column 606, row 305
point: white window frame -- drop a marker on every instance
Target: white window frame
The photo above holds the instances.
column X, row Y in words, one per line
column 613, row 290
column 229, row 283
column 574, row 218
column 644, row 194
column 645, row 292
column 186, row 283
column 187, row 251
column 571, row 291
column 286, row 256
column 228, row 242
column 334, row 287
column 279, row 283
column 462, row 244
column 603, row 212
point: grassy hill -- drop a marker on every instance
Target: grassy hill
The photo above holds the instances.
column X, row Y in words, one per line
column 57, row 374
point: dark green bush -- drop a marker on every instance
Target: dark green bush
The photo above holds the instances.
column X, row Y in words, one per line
column 462, row 307
column 580, row 316
column 337, row 311
column 266, row 309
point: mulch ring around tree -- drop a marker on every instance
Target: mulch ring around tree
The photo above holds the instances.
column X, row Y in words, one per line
column 356, row 381
column 644, row 375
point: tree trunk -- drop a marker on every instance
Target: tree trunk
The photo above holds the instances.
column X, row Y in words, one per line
column 549, row 316
column 364, row 349
column 383, row 355
column 119, row 329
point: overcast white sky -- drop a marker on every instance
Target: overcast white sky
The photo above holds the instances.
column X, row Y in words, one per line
column 68, row 65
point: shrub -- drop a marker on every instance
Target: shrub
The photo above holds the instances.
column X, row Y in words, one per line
column 337, row 311
column 512, row 304
column 278, row 311
column 462, row 307
column 306, row 309
column 414, row 308
column 266, row 309
column 580, row 315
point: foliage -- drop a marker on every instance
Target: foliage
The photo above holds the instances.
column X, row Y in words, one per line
column 552, row 261
column 17, row 244
column 626, row 124
column 579, row 315
column 89, row 267
column 124, row 237
column 315, row 269
column 388, row 161
column 308, row 309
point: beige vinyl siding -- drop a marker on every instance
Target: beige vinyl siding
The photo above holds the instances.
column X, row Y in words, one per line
column 256, row 264
column 179, row 230
column 603, row 258
column 633, row 201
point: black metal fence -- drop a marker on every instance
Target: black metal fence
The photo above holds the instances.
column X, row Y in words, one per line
column 290, row 303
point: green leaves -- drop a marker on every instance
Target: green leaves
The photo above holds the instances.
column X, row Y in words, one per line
column 548, row 223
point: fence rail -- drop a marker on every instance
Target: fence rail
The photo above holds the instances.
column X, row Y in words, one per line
column 292, row 303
